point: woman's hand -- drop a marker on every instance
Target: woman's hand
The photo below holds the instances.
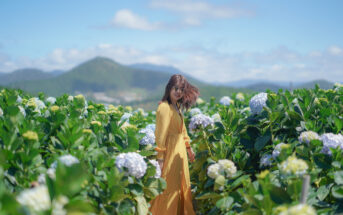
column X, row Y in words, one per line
column 191, row 154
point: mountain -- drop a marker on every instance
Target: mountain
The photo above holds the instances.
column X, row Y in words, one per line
column 157, row 68
column 103, row 79
column 20, row 75
column 324, row 84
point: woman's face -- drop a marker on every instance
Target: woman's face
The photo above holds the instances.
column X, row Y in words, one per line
column 176, row 93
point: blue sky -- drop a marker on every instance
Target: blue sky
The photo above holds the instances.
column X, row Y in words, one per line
column 217, row 41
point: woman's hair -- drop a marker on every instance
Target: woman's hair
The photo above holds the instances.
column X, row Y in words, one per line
column 190, row 92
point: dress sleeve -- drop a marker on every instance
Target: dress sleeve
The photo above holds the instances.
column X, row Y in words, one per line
column 185, row 135
column 162, row 125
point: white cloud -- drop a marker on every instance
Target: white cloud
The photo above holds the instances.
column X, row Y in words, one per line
column 194, row 12
column 209, row 65
column 127, row 19
column 335, row 50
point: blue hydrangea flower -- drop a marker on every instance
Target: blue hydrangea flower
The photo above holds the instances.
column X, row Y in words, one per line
column 225, row 100
column 331, row 140
column 257, row 103
column 200, row 120
column 134, row 163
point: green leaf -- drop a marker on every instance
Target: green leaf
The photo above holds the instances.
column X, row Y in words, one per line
column 338, row 177
column 322, row 192
column 337, row 192
column 279, row 196
column 210, row 195
column 225, row 203
column 262, row 141
column 142, row 206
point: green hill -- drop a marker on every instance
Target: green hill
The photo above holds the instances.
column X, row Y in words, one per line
column 24, row 75
column 105, row 80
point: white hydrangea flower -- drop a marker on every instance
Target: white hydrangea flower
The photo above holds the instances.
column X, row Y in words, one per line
column 126, row 117
column 213, row 170
column 70, row 98
column 307, row 136
column 200, row 101
column 1, row 112
column 19, row 99
column 67, row 160
column 37, row 198
column 228, row 166
column 51, row 100
column 266, row 160
column 293, row 166
column 153, row 112
column 200, row 120
column 225, row 100
column 302, row 209
column 149, row 137
column 58, row 205
column 216, row 117
column 134, row 162
column 22, row 110
column 141, row 110
column 194, row 111
column 36, row 103
column 331, row 140
column 240, row 96
column 277, row 149
column 158, row 169
column 257, row 102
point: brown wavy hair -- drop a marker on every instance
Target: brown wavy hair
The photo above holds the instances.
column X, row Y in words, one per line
column 189, row 95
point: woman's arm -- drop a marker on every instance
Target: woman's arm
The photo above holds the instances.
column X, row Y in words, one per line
column 187, row 140
column 162, row 125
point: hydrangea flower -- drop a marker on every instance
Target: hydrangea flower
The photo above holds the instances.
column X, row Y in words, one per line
column 149, row 137
column 223, row 167
column 158, row 169
column 293, row 166
column 302, row 209
column 70, row 98
column 257, row 103
column 331, row 140
column 213, row 171
column 141, row 110
column 151, row 127
column 228, row 166
column 266, row 160
column 277, row 149
column 216, row 117
column 37, row 104
column 1, row 112
column 194, row 111
column 126, row 117
column 200, row 120
column 22, row 110
column 240, row 96
column 37, row 198
column 134, row 163
column 200, row 101
column 19, row 99
column 307, row 136
column 51, row 100
column 30, row 135
column 67, row 160
column 225, row 100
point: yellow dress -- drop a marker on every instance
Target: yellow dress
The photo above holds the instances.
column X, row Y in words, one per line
column 172, row 139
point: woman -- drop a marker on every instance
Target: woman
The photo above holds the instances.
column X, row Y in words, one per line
column 172, row 143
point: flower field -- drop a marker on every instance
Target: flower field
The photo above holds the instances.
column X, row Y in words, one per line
column 67, row 155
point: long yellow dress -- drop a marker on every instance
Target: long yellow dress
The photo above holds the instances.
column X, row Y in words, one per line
column 172, row 139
